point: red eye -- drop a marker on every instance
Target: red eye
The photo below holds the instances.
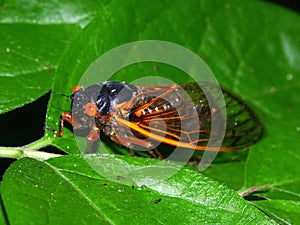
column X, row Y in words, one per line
column 75, row 88
column 90, row 109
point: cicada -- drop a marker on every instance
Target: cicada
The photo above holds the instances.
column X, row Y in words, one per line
column 172, row 114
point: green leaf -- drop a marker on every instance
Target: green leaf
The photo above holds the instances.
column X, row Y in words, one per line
column 50, row 12
column 222, row 169
column 238, row 68
column 28, row 62
column 288, row 190
column 284, row 211
column 34, row 37
column 2, row 212
column 252, row 47
column 256, row 58
column 66, row 187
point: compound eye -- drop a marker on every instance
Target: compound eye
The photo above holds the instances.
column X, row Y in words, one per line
column 75, row 88
column 90, row 109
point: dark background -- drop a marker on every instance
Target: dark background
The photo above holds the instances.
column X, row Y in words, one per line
column 25, row 125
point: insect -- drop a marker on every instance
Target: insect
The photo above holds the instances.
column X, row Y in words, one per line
column 176, row 115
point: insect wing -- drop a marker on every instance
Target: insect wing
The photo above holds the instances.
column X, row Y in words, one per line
column 163, row 114
column 243, row 127
column 182, row 116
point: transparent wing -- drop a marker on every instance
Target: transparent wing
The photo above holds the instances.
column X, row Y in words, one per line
column 243, row 127
column 182, row 116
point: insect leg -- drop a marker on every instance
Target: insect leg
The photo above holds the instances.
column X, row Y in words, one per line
column 92, row 137
column 156, row 154
column 159, row 154
column 65, row 116
column 151, row 152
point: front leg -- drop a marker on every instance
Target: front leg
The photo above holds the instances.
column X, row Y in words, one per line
column 65, row 116
column 91, row 138
column 68, row 117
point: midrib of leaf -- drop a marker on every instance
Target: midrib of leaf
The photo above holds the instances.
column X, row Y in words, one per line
column 80, row 193
column 286, row 182
column 287, row 192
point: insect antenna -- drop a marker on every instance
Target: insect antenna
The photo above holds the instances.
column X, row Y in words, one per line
column 58, row 93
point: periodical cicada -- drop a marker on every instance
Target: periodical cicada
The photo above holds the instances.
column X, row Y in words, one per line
column 141, row 116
